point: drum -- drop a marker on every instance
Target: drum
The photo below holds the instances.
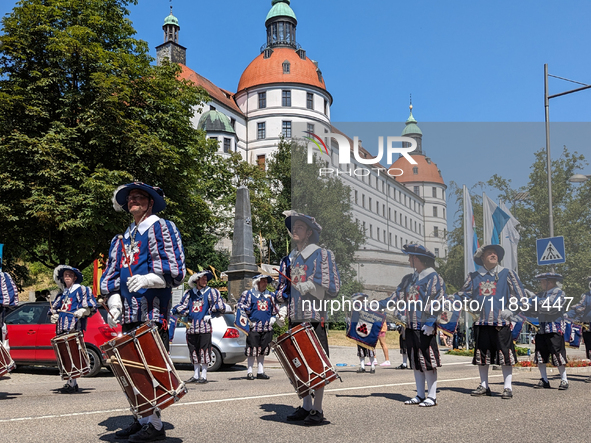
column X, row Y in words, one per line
column 144, row 370
column 6, row 363
column 71, row 355
column 304, row 360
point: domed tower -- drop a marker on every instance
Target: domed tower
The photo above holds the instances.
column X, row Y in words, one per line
column 282, row 91
column 218, row 127
column 170, row 49
column 425, row 180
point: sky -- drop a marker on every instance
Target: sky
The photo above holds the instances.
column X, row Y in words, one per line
column 464, row 62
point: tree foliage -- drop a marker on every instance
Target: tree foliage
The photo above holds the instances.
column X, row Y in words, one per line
column 82, row 110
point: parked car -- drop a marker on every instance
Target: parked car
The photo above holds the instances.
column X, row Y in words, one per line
column 228, row 343
column 30, row 332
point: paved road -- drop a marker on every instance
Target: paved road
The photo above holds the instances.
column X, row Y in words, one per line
column 362, row 407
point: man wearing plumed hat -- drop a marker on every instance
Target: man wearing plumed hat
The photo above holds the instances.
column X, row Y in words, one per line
column 71, row 308
column 493, row 287
column 259, row 305
column 142, row 267
column 307, row 275
column 199, row 304
column 548, row 306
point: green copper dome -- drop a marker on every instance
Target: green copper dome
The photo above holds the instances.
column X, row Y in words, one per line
column 280, row 8
column 171, row 20
column 215, row 121
column 411, row 125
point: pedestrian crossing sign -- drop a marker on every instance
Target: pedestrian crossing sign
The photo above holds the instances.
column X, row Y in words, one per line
column 550, row 250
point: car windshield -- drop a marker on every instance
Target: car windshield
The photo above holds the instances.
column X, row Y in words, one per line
column 229, row 319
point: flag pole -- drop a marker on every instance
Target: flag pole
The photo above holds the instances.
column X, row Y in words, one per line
column 467, row 256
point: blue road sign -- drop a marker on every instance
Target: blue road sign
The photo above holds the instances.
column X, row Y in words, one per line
column 550, row 250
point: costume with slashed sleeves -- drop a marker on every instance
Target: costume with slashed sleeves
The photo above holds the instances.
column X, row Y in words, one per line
column 581, row 311
column 154, row 246
column 195, row 305
column 8, row 295
column 69, row 301
column 493, row 290
column 260, row 307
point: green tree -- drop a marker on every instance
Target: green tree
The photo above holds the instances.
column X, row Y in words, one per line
column 82, row 110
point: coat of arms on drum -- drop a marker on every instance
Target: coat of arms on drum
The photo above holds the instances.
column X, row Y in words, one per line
column 488, row 288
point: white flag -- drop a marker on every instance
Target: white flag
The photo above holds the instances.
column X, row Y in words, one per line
column 509, row 240
column 470, row 238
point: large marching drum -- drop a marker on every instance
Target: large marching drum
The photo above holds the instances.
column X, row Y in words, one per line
column 72, row 358
column 144, row 370
column 304, row 360
column 6, row 363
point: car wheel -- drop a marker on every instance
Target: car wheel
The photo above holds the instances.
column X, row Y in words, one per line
column 216, row 360
column 95, row 362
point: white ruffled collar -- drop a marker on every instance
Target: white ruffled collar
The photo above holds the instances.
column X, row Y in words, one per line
column 143, row 226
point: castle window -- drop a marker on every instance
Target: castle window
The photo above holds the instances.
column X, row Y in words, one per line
column 309, row 100
column 416, row 190
column 286, row 129
column 262, row 100
column 310, row 128
column 286, row 67
column 261, row 131
column 261, row 161
column 435, row 231
column 415, row 170
column 285, row 98
column 435, row 192
column 227, row 145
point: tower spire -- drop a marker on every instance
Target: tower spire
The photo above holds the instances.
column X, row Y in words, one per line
column 171, row 49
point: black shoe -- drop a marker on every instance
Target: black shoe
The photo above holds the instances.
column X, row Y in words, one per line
column 249, row 376
column 67, row 389
column 133, row 428
column 401, row 366
column 372, row 371
column 588, row 380
column 361, row 370
column 314, row 418
column 148, row 433
column 563, row 385
column 298, row 415
column 202, row 380
column 507, row 394
column 481, row 391
column 263, row 376
column 192, row 380
column 542, row 384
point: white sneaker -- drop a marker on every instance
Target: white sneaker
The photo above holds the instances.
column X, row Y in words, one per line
column 386, row 363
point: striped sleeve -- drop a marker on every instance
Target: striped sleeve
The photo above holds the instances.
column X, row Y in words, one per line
column 88, row 299
column 8, row 290
column 515, row 287
column 110, row 280
column 326, row 273
column 183, row 307
column 466, row 291
column 284, row 287
column 166, row 251
column 244, row 302
column 216, row 302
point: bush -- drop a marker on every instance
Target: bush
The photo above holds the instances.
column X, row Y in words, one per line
column 461, row 352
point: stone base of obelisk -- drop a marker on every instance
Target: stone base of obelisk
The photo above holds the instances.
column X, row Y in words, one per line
column 239, row 281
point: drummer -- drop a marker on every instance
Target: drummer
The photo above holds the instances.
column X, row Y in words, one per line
column 314, row 276
column 199, row 304
column 141, row 270
column 71, row 308
column 259, row 304
column 8, row 296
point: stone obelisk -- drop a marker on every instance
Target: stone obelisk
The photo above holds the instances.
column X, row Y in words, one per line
column 242, row 262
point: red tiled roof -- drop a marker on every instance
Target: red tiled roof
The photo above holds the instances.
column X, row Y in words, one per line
column 427, row 171
column 220, row 95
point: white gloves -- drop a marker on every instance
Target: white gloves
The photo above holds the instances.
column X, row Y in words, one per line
column 54, row 318
column 280, row 321
column 272, row 321
column 115, row 308
column 428, row 330
column 82, row 312
column 506, row 314
column 206, row 317
column 305, row 287
column 137, row 282
column 228, row 309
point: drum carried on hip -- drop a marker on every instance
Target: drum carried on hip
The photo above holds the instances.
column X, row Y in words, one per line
column 71, row 355
column 6, row 363
column 304, row 360
column 144, row 370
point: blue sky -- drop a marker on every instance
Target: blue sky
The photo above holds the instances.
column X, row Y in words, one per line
column 463, row 61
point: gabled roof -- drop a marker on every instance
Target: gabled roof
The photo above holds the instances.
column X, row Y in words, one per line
column 220, row 95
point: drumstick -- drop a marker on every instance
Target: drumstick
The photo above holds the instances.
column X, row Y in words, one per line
column 127, row 258
column 134, row 364
column 104, row 305
column 281, row 273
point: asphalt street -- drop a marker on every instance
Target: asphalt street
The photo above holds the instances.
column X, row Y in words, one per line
column 363, row 407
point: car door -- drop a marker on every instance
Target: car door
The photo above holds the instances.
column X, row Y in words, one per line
column 22, row 325
column 45, row 332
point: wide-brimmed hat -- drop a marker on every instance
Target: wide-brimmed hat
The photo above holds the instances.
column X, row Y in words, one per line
column 197, row 275
column 257, row 278
column 292, row 216
column 359, row 296
column 550, row 276
column 121, row 193
column 498, row 249
column 417, row 250
column 58, row 275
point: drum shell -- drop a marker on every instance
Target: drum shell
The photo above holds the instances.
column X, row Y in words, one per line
column 125, row 359
column 6, row 362
column 72, row 358
column 308, row 367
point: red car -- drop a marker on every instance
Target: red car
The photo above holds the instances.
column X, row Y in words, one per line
column 30, row 333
